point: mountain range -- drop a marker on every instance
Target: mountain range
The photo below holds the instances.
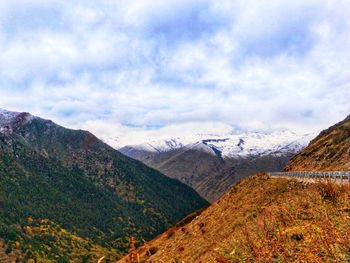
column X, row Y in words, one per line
column 270, row 219
column 65, row 196
column 212, row 163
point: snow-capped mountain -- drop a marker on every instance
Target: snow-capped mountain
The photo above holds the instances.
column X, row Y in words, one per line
column 10, row 120
column 228, row 145
column 212, row 163
column 232, row 145
column 162, row 145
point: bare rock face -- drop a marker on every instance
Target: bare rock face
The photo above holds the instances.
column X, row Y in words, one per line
column 330, row 151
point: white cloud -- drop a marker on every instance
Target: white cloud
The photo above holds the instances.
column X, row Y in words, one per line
column 257, row 64
column 118, row 135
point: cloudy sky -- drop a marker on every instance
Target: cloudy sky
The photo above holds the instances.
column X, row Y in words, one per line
column 131, row 66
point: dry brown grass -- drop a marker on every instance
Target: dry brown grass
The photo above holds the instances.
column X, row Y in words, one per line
column 308, row 223
column 265, row 219
column 330, row 151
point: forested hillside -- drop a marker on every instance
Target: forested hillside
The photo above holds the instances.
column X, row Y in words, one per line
column 73, row 181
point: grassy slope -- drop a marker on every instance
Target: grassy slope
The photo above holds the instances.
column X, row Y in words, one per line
column 263, row 219
column 330, row 151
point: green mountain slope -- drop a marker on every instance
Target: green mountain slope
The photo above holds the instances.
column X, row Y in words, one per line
column 83, row 186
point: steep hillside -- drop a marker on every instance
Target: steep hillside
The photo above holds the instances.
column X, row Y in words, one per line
column 212, row 166
column 211, row 175
column 330, row 151
column 81, row 185
column 262, row 219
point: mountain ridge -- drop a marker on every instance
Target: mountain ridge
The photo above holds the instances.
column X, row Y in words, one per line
column 270, row 219
column 329, row 151
column 82, row 184
column 213, row 164
column 230, row 145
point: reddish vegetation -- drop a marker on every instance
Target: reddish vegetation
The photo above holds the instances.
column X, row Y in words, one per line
column 330, row 151
column 89, row 141
column 263, row 219
column 6, row 257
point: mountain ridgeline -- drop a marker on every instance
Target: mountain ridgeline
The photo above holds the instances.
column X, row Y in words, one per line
column 330, row 151
column 78, row 189
column 212, row 166
column 270, row 219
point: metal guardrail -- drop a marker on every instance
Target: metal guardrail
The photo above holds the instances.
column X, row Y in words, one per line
column 335, row 176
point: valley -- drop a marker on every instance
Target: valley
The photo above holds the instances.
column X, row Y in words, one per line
column 67, row 197
column 267, row 217
column 189, row 131
column 213, row 164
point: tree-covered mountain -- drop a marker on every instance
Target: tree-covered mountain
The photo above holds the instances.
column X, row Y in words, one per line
column 82, row 186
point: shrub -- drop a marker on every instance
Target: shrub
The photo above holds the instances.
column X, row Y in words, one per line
column 329, row 191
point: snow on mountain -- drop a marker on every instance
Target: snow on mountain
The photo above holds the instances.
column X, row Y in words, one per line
column 253, row 143
column 163, row 145
column 6, row 116
column 10, row 120
column 201, row 146
column 233, row 145
column 166, row 144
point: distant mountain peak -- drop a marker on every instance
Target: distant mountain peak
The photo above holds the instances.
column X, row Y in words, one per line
column 212, row 163
column 232, row 145
column 201, row 146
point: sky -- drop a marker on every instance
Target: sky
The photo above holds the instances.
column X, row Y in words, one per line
column 129, row 68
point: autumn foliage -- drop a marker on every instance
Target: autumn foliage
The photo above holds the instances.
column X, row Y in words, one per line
column 264, row 219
